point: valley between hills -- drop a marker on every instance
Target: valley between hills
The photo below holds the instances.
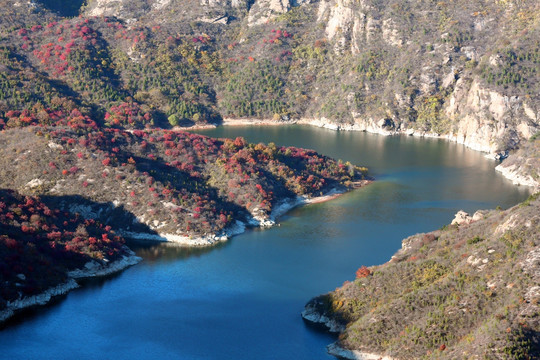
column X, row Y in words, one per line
column 99, row 100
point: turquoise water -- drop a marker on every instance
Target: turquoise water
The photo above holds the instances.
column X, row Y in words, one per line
column 242, row 299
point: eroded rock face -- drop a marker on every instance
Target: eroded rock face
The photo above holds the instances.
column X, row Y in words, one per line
column 160, row 4
column 264, row 10
column 226, row 3
column 483, row 117
column 474, row 112
column 124, row 9
column 260, row 11
column 105, row 8
column 351, row 23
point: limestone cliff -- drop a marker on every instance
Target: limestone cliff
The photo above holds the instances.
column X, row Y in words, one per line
column 263, row 10
column 468, row 110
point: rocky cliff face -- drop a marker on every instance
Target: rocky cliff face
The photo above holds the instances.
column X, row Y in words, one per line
column 488, row 120
column 482, row 116
column 351, row 24
column 264, row 10
column 258, row 12
column 106, row 8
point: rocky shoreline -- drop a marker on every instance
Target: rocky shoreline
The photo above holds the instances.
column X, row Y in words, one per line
column 341, row 353
column 517, row 177
column 239, row 227
column 90, row 270
column 514, row 174
column 96, row 269
column 367, row 126
column 312, row 315
column 333, row 311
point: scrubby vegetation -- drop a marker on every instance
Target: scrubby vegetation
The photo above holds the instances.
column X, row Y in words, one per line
column 467, row 291
column 188, row 183
column 39, row 244
column 86, row 103
column 180, row 70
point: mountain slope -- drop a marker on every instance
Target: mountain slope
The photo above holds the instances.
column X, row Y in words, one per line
column 469, row 290
column 183, row 186
column 465, row 70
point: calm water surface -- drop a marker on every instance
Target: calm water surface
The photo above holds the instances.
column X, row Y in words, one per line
column 242, row 299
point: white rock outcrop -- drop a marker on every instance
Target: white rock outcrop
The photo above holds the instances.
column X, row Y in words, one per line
column 225, row 3
column 105, row 8
column 311, row 314
column 264, row 10
column 482, row 117
column 342, row 353
column 463, row 217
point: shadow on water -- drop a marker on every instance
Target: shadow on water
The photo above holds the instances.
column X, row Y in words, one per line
column 34, row 312
column 115, row 216
column 170, row 252
column 242, row 299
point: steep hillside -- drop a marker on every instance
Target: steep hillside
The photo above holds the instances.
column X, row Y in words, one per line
column 185, row 187
column 43, row 249
column 463, row 70
column 469, row 290
column 88, row 94
column 89, row 91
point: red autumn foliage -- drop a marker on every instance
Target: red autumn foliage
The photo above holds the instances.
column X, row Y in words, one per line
column 362, row 272
column 37, row 254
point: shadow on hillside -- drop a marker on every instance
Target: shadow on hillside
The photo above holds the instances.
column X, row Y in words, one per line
column 178, row 179
column 63, row 88
column 277, row 185
column 63, row 7
column 530, row 337
column 117, row 217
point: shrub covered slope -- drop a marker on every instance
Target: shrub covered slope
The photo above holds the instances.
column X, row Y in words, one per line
column 39, row 245
column 467, row 291
column 467, row 70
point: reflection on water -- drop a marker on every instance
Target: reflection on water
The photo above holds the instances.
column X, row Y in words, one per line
column 151, row 251
column 242, row 299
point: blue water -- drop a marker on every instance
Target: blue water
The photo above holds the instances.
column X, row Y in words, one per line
column 242, row 299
